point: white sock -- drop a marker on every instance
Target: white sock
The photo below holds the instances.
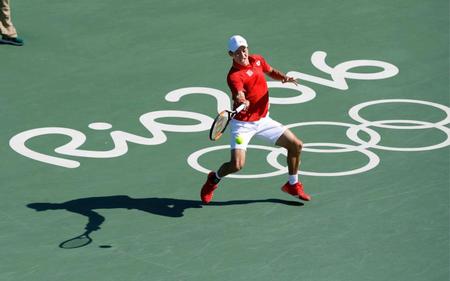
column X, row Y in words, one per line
column 217, row 175
column 293, row 179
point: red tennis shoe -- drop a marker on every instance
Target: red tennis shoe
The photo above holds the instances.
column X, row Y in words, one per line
column 296, row 190
column 207, row 192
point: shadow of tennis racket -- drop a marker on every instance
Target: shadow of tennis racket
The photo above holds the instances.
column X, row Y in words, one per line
column 77, row 242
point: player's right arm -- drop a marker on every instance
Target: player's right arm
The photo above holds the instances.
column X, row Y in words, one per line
column 239, row 98
column 237, row 91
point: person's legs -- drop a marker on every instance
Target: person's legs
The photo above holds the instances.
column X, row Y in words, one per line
column 271, row 131
column 235, row 164
column 7, row 29
column 294, row 147
column 6, row 26
column 244, row 131
column 277, row 134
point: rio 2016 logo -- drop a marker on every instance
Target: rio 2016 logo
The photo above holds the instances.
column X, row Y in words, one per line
column 339, row 75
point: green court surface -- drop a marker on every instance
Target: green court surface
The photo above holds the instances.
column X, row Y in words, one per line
column 92, row 138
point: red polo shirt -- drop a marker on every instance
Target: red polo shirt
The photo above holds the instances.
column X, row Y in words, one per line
column 251, row 80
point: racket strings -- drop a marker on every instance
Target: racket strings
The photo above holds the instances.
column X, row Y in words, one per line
column 219, row 125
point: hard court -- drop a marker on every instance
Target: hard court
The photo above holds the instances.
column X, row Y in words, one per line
column 104, row 129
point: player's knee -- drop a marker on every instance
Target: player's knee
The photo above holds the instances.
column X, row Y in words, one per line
column 299, row 144
column 296, row 146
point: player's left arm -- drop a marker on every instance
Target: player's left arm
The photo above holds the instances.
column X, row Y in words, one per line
column 280, row 76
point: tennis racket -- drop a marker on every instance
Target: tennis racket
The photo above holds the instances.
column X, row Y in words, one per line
column 221, row 122
column 77, row 242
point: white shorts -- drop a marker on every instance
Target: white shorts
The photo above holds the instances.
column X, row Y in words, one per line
column 266, row 128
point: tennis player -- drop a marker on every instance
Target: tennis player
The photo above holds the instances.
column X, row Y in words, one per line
column 248, row 86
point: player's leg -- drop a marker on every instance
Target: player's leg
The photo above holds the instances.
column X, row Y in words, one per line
column 277, row 134
column 240, row 135
column 236, row 163
column 294, row 147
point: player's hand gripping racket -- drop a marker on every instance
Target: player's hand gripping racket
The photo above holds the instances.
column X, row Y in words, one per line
column 221, row 122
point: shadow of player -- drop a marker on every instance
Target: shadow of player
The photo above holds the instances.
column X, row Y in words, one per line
column 167, row 207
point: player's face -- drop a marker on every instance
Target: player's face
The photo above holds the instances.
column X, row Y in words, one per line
column 241, row 56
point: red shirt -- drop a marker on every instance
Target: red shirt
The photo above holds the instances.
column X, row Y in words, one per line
column 251, row 80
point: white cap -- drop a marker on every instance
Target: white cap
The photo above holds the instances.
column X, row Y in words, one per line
column 235, row 42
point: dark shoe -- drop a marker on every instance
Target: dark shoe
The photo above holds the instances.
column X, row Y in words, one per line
column 16, row 41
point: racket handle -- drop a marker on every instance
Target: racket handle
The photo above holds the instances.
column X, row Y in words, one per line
column 240, row 108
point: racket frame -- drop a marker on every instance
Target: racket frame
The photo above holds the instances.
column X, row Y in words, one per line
column 230, row 115
column 85, row 236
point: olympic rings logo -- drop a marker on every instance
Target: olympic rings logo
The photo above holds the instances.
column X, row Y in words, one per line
column 352, row 132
